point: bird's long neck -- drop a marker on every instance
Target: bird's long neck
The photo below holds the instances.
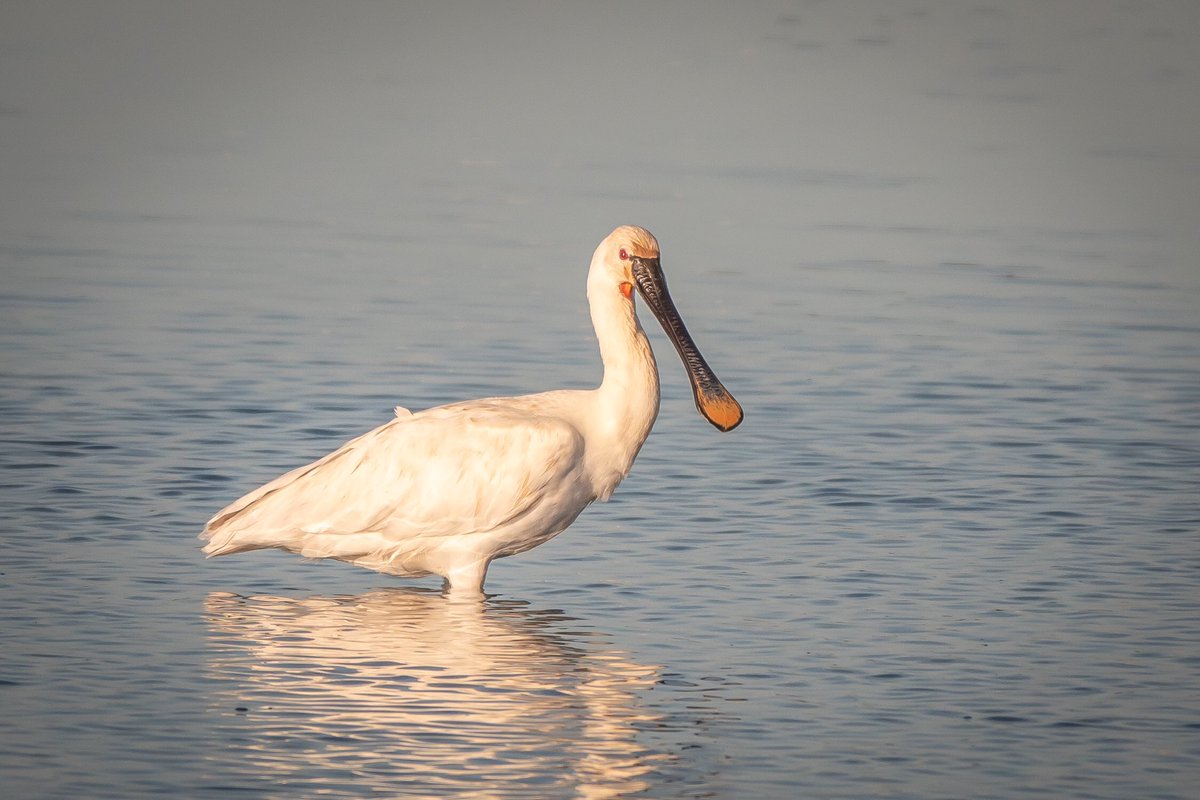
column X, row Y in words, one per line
column 627, row 400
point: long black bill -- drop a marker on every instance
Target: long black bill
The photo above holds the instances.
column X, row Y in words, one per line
column 713, row 400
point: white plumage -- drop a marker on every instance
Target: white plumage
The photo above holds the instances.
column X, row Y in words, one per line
column 447, row 490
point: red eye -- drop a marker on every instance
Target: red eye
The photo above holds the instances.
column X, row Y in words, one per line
column 624, row 255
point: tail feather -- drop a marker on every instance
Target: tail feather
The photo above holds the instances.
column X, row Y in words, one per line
column 227, row 542
column 311, row 544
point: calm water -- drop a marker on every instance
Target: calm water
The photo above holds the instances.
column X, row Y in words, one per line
column 944, row 253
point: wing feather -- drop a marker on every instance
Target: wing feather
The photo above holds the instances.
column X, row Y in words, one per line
column 451, row 470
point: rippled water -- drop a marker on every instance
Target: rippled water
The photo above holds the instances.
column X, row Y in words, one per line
column 944, row 254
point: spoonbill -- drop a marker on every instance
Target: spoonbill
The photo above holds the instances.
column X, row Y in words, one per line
column 447, row 490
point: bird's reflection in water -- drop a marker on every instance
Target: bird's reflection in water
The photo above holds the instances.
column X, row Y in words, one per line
column 402, row 691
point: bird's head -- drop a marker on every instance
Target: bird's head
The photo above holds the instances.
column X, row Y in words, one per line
column 628, row 258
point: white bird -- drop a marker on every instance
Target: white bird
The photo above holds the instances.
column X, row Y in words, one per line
column 447, row 490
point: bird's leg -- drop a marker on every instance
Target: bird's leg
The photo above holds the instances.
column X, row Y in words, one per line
column 466, row 580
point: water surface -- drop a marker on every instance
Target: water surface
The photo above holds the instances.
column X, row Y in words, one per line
column 944, row 254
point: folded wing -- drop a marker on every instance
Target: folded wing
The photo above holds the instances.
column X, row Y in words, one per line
column 448, row 471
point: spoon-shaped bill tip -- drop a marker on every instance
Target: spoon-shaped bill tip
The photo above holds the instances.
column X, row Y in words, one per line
column 720, row 409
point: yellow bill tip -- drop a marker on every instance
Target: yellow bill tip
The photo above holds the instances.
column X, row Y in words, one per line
column 721, row 410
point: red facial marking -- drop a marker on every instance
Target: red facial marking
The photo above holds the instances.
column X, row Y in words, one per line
column 624, row 255
column 626, row 289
